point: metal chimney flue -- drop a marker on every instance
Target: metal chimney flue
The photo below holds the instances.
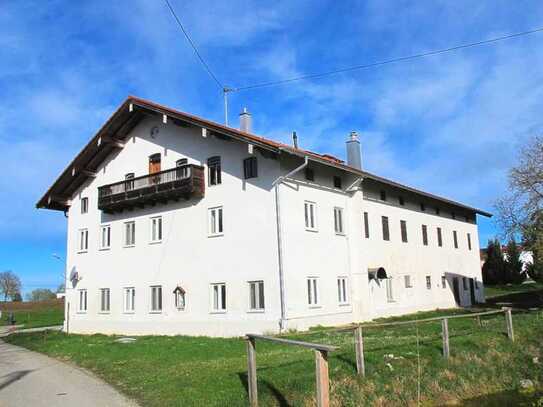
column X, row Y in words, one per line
column 245, row 121
column 354, row 157
column 294, row 139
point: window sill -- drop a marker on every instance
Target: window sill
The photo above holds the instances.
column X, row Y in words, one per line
column 104, row 249
column 104, row 312
column 129, row 246
column 129, row 312
column 180, row 309
column 256, row 311
column 216, row 235
column 81, row 312
column 155, row 312
column 218, row 312
column 311, row 230
column 82, row 251
column 315, row 306
column 344, row 304
column 156, row 242
column 341, row 234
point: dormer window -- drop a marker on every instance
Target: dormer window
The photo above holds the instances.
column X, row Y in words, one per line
column 179, row 298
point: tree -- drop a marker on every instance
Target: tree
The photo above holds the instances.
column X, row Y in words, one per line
column 494, row 267
column 61, row 288
column 41, row 294
column 17, row 297
column 514, row 264
column 10, row 284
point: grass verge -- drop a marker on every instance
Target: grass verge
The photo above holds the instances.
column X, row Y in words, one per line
column 34, row 314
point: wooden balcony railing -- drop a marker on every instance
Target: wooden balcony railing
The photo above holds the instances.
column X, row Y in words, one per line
column 185, row 182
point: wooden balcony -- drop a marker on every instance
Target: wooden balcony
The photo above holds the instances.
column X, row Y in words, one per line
column 185, row 182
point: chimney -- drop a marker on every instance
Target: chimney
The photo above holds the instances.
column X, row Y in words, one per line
column 245, row 121
column 354, row 158
column 294, row 139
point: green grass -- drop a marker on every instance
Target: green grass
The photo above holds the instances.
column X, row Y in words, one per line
column 492, row 291
column 192, row 371
column 34, row 315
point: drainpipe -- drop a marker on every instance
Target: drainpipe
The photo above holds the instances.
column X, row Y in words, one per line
column 275, row 184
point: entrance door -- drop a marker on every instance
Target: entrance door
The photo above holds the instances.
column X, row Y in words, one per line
column 456, row 290
column 472, row 291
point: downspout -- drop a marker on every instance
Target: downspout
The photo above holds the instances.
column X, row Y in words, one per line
column 275, row 184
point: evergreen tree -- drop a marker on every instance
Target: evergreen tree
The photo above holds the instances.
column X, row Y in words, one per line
column 514, row 265
column 494, row 267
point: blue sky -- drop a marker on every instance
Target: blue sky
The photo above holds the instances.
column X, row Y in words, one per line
column 449, row 124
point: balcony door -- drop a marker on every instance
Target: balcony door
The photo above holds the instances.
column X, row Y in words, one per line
column 154, row 163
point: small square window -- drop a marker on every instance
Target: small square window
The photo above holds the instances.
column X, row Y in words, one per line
column 309, row 174
column 383, row 195
column 438, row 211
column 84, row 205
column 401, row 201
column 337, row 182
column 250, row 168
column 422, row 207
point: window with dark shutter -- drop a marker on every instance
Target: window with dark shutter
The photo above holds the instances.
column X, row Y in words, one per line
column 309, row 174
column 386, row 232
column 337, row 182
column 250, row 168
column 403, row 229
column 383, row 195
column 214, row 170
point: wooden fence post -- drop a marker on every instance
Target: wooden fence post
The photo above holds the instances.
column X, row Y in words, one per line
column 323, row 382
column 251, row 372
column 479, row 322
column 359, row 350
column 509, row 323
column 445, row 334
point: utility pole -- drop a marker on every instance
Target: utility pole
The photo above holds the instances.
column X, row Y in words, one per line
column 225, row 92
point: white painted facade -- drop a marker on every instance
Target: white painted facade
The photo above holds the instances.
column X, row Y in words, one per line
column 252, row 248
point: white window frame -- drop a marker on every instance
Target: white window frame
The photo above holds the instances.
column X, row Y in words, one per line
column 310, row 216
column 215, row 221
column 83, row 303
column 313, row 295
column 129, row 300
column 343, row 290
column 83, row 241
column 84, row 205
column 156, row 303
column 407, row 281
column 389, row 289
column 157, row 229
column 105, row 244
column 105, row 300
column 130, row 229
column 257, row 300
column 339, row 222
column 218, row 298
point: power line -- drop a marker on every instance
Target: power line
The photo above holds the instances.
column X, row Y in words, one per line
column 388, row 61
column 187, row 36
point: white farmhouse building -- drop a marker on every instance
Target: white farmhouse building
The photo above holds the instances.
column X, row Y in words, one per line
column 179, row 225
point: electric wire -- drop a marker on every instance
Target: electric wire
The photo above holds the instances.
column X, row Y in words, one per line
column 187, row 36
column 385, row 62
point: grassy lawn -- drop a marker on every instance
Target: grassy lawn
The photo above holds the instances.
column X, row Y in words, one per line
column 34, row 314
column 499, row 290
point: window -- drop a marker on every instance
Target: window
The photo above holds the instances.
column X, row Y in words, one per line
column 407, row 281
column 383, row 195
column 342, row 290
column 179, row 298
column 129, row 299
column 465, row 283
column 129, row 181
column 215, row 221
column 181, row 162
column 439, row 238
column 386, row 232
column 429, row 282
column 156, row 298
column 182, row 169
column 256, row 295
column 437, row 210
column 453, row 215
column 310, row 213
column 82, row 300
column 309, row 174
column 401, row 201
column 424, row 235
column 312, row 291
column 84, row 205
column 443, row 282
column 156, row 229
column 214, row 170
column 455, row 239
column 104, row 300
column 337, row 182
column 390, row 293
column 403, row 229
column 469, row 241
column 130, row 233
column 366, row 225
column 250, row 168
column 105, row 236
column 338, row 220
column 218, row 292
column 83, row 240
column 422, row 207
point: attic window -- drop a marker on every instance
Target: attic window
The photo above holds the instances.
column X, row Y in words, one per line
column 179, row 298
column 401, row 201
column 383, row 195
column 337, row 182
column 309, row 174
